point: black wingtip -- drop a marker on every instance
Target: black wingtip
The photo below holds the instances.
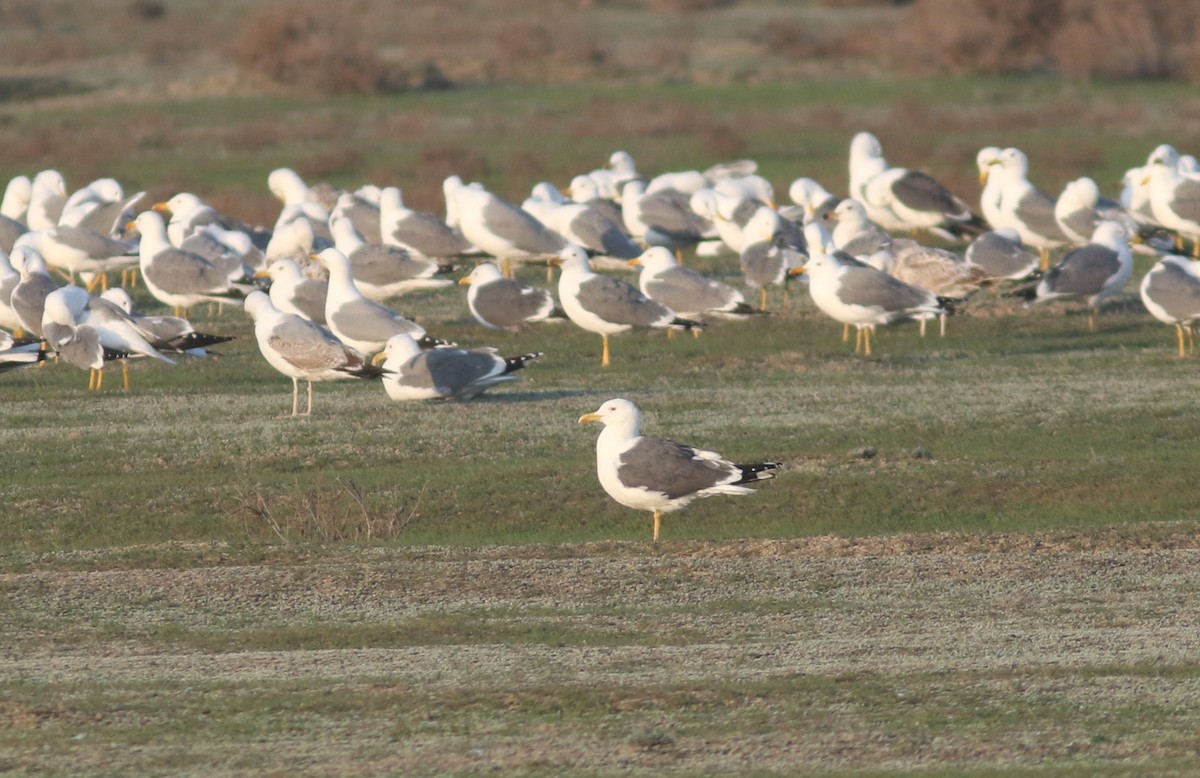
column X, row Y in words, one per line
column 760, row 471
column 518, row 362
column 951, row 304
column 687, row 324
column 193, row 340
column 1028, row 293
column 366, row 370
column 746, row 309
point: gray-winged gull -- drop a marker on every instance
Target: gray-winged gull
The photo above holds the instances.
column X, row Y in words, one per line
column 605, row 305
column 497, row 226
column 382, row 271
column 765, row 261
column 19, row 352
column 1095, row 271
column 293, row 292
column 181, row 278
column 1021, row 205
column 1000, row 253
column 445, row 373
column 29, row 295
column 1174, row 194
column 168, row 334
column 302, row 350
column 505, row 303
column 685, row 291
column 1171, row 292
column 662, row 218
column 424, row 234
column 658, row 475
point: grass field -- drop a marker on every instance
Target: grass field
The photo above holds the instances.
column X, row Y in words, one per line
column 978, row 560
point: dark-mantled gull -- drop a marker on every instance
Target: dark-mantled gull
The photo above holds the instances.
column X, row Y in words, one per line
column 685, row 291
column 181, row 278
column 168, row 334
column 898, row 198
column 658, row 475
column 505, row 303
column 302, row 350
column 606, row 305
column 445, row 373
column 1171, row 292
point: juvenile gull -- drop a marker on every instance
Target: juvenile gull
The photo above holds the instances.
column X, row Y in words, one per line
column 1171, row 292
column 505, row 303
column 445, row 373
column 607, row 305
column 657, row 475
column 302, row 350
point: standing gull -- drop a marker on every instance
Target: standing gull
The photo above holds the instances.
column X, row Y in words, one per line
column 29, row 295
column 498, row 227
column 657, row 475
column 505, row 303
column 180, row 278
column 1094, row 271
column 1021, row 205
column 1174, row 194
column 424, row 234
column 1171, row 292
column 607, row 305
column 445, row 373
column 293, row 292
column 765, row 261
column 303, row 351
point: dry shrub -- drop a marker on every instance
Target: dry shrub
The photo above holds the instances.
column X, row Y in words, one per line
column 325, row 512
column 313, row 45
column 1080, row 38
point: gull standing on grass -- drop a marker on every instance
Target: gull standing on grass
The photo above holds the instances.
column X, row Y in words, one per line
column 302, row 350
column 657, row 475
column 1095, row 271
column 685, row 291
column 605, row 305
column 1171, row 292
column 181, row 278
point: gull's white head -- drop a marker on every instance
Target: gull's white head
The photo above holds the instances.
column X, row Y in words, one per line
column 483, row 273
column 618, row 413
column 655, row 259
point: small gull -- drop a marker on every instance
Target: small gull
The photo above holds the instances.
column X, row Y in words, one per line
column 445, row 373
column 605, row 305
column 1171, row 292
column 505, row 303
column 658, row 475
column 302, row 350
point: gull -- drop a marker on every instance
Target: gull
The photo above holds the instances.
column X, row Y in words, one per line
column 181, row 278
column 48, row 194
column 1021, row 206
column 168, row 334
column 9, row 278
column 28, row 297
column 293, row 292
column 302, row 350
column 361, row 207
column 1171, row 292
column 423, row 234
column 1095, row 271
column 505, row 303
column 853, row 231
column 383, row 271
column 765, row 261
column 658, row 475
column 445, row 373
column 19, row 352
column 814, row 200
column 298, row 199
column 1174, row 194
column 662, row 218
column 855, row 293
column 101, row 206
column 897, row 198
column 1080, row 208
column 685, row 291
column 728, row 213
column 74, row 250
column 17, row 194
column 357, row 321
column 585, row 225
column 498, row 227
column 605, row 305
column 1000, row 253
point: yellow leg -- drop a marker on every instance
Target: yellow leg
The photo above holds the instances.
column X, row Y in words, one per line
column 846, row 335
column 125, row 373
column 1091, row 320
column 657, row 524
column 1045, row 254
column 670, row 333
column 1179, row 333
column 696, row 333
column 763, row 305
column 605, row 361
column 867, row 340
column 91, row 379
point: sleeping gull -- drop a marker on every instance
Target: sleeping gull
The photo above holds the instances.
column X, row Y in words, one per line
column 181, row 278
column 662, row 218
column 1080, row 207
column 48, row 194
column 302, row 350
column 897, row 198
column 813, row 199
column 1094, row 271
column 445, row 373
column 685, row 291
column 607, row 305
column 855, row 293
column 505, row 303
column 1171, row 292
column 662, row 476
column 358, row 321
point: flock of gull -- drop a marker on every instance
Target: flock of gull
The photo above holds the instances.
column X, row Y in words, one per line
column 317, row 284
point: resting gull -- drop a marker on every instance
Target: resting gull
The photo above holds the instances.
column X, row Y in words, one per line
column 29, row 295
column 293, row 292
column 662, row 218
column 607, row 305
column 383, row 271
column 1095, row 271
column 424, row 234
column 1171, row 292
column 168, row 334
column 48, row 194
column 813, row 199
column 765, row 261
column 445, row 373
column 657, row 475
column 1174, row 194
column 897, row 198
column 302, row 350
column 9, row 278
column 19, row 352
column 684, row 290
column 505, row 303
column 1000, row 253
column 497, row 226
